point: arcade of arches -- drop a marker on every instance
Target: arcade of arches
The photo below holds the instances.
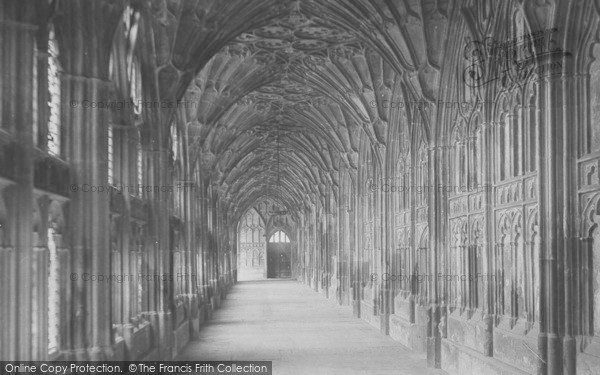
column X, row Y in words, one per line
column 433, row 164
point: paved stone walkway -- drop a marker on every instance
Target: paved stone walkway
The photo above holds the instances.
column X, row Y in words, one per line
column 301, row 332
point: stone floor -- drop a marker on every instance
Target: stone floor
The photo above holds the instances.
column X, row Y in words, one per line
column 301, row 332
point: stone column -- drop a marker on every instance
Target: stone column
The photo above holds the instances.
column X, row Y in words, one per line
column 88, row 214
column 569, row 207
column 84, row 37
column 355, row 204
column 437, row 233
column 488, row 162
column 551, row 177
column 160, row 316
column 386, row 233
column 17, row 25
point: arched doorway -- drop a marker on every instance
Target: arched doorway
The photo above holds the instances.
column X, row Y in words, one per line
column 279, row 254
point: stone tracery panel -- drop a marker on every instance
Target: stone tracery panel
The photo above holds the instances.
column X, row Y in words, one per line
column 587, row 284
column 252, row 247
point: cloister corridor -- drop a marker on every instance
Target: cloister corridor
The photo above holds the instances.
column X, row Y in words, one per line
column 301, row 332
column 317, row 186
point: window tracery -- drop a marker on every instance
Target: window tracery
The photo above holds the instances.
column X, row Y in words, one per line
column 54, row 98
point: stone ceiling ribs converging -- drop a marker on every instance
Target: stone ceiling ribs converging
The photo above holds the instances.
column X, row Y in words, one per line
column 285, row 91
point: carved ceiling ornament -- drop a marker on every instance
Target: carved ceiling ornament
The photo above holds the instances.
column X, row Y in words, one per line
column 309, row 69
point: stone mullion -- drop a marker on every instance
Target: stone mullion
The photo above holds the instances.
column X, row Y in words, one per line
column 235, row 257
column 303, row 229
column 339, row 235
column 329, row 238
column 218, row 242
column 297, row 271
column 446, row 258
column 214, row 252
column 218, row 236
column 306, row 249
column 322, row 253
column 41, row 140
column 500, row 165
column 333, row 238
column 353, row 200
column 387, row 241
column 304, row 235
column 345, row 237
column 309, row 243
column 321, row 243
column 463, row 167
column 152, row 289
column 316, row 251
column 360, row 234
column 230, row 255
column 210, row 242
column 126, row 235
column 332, row 233
column 314, row 269
column 374, row 252
column 384, row 229
column 307, row 252
column 377, row 242
column 223, row 236
column 518, row 147
column 222, row 246
column 205, row 241
column 414, row 294
column 464, row 270
column 188, row 217
column 203, row 216
column 514, row 285
column 310, row 265
column 327, row 212
column 472, row 179
column 232, row 259
column 509, row 145
column 216, row 246
column 297, row 251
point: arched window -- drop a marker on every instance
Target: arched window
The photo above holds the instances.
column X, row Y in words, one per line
column 591, row 134
column 252, row 228
column 279, row 236
column 111, row 155
column 134, row 76
column 54, row 132
column 139, row 168
column 174, row 141
column 135, row 86
column 53, row 294
column 34, row 107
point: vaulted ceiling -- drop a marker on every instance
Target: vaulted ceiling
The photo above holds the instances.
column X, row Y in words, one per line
column 288, row 90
